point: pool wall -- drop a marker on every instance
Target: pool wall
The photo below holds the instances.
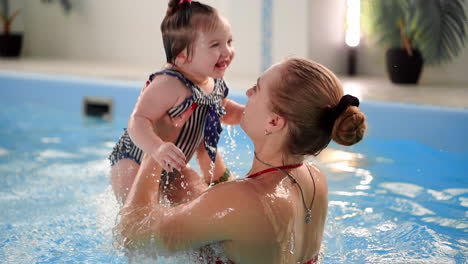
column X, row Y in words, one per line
column 443, row 128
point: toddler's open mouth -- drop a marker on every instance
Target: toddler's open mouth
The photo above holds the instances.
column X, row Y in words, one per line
column 222, row 64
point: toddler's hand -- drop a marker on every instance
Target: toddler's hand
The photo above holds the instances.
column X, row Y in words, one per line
column 169, row 156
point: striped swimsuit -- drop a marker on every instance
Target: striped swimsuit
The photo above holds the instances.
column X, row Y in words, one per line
column 203, row 124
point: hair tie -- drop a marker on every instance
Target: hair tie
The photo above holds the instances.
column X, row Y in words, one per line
column 182, row 1
column 345, row 101
column 332, row 114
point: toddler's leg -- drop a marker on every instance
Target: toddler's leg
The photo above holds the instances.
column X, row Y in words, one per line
column 122, row 176
column 204, row 161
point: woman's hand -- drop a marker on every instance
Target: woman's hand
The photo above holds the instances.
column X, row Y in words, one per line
column 139, row 226
column 131, row 228
column 195, row 183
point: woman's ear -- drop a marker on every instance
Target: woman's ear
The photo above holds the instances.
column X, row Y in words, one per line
column 275, row 123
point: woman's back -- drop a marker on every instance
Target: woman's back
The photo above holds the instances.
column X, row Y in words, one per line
column 281, row 233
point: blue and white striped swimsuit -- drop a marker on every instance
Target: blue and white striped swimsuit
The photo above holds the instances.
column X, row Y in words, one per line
column 204, row 123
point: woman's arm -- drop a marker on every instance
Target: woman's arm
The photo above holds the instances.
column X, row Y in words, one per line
column 225, row 212
column 234, row 112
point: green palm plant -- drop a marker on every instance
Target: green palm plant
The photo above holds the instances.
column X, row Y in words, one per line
column 434, row 27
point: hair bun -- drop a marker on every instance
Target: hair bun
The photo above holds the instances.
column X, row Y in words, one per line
column 349, row 127
column 172, row 7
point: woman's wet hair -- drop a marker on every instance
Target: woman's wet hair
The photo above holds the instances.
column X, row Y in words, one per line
column 306, row 92
column 181, row 24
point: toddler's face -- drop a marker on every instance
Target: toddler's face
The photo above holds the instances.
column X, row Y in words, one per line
column 213, row 51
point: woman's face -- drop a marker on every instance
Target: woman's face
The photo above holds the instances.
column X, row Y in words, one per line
column 257, row 110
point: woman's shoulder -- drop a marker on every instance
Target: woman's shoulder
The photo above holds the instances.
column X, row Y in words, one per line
column 238, row 187
column 270, row 194
column 319, row 179
column 253, row 211
column 241, row 194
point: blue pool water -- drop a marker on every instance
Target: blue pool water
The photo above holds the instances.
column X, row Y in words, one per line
column 401, row 196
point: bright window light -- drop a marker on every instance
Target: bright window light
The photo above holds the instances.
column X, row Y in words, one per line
column 353, row 16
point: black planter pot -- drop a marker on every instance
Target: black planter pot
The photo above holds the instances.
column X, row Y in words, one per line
column 10, row 45
column 402, row 68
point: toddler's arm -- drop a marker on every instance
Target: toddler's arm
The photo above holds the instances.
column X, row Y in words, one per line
column 234, row 112
column 152, row 105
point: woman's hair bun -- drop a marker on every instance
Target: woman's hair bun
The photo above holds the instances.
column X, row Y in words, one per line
column 349, row 127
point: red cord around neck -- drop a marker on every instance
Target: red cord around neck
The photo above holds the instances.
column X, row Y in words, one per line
column 286, row 167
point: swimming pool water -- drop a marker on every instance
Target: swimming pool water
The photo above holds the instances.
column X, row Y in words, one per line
column 401, row 196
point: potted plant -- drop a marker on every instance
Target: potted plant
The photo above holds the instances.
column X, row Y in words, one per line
column 10, row 43
column 416, row 32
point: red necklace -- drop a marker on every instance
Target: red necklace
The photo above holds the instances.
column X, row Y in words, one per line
column 286, row 167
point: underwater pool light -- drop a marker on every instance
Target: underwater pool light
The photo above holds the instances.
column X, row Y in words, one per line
column 101, row 107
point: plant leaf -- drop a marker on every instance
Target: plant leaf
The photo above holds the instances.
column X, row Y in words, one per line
column 382, row 20
column 5, row 8
column 442, row 29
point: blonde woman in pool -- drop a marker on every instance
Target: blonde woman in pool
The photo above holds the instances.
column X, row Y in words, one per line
column 277, row 213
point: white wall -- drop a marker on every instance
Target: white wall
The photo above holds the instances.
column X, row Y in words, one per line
column 290, row 26
column 121, row 31
column 104, row 30
column 326, row 33
column 127, row 32
column 244, row 16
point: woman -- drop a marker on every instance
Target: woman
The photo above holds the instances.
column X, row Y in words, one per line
column 277, row 213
